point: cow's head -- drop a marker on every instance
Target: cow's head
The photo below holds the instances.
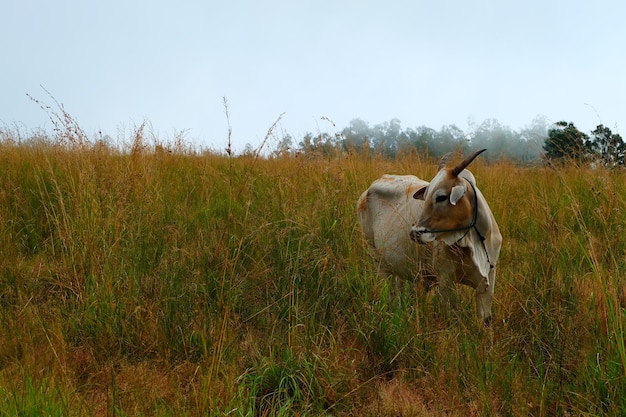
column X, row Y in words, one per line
column 449, row 202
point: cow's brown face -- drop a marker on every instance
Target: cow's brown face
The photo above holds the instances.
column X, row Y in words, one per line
column 446, row 208
column 447, row 211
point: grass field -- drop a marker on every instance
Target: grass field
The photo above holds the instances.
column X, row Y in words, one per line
column 161, row 281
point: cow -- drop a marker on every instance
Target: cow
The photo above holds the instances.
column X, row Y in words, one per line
column 458, row 238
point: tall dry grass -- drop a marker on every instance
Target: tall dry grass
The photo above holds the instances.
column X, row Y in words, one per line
column 161, row 281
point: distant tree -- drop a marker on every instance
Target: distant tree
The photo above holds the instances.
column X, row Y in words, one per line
column 497, row 138
column 404, row 141
column 307, row 143
column 356, row 135
column 390, row 139
column 386, row 137
column 248, row 150
column 284, row 146
column 322, row 143
column 610, row 146
column 449, row 138
column 565, row 141
column 532, row 137
column 537, row 131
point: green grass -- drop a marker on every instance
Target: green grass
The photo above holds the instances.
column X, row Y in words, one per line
column 156, row 280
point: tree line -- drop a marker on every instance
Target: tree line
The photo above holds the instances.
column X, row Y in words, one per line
column 539, row 140
column 603, row 147
column 390, row 139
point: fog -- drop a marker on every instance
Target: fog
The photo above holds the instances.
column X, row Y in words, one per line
column 390, row 138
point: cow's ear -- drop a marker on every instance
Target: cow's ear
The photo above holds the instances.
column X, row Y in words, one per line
column 419, row 194
column 456, row 194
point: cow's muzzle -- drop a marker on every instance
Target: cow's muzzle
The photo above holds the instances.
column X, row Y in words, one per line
column 417, row 234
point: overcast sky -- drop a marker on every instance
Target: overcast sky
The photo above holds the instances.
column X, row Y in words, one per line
column 114, row 64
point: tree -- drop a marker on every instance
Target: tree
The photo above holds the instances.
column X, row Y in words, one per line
column 609, row 145
column 449, row 138
column 356, row 135
column 284, row 146
column 421, row 138
column 565, row 141
column 322, row 143
column 497, row 138
column 532, row 138
column 386, row 137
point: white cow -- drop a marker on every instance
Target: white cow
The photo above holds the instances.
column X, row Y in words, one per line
column 449, row 216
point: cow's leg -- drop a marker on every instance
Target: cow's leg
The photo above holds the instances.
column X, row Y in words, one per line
column 445, row 275
column 447, row 290
column 484, row 298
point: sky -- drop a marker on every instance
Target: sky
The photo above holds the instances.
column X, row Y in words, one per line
column 314, row 64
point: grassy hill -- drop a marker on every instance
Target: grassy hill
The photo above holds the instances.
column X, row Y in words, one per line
column 166, row 282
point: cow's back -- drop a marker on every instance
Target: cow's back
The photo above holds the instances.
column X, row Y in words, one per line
column 386, row 211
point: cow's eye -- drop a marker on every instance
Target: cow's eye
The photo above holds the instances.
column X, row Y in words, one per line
column 441, row 198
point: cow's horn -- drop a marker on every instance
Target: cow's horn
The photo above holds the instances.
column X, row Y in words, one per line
column 460, row 167
column 444, row 160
